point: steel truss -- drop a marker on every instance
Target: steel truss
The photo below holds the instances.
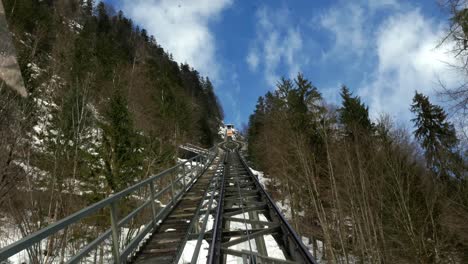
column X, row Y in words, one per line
column 219, row 184
column 243, row 202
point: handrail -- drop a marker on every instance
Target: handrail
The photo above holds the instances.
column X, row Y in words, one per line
column 202, row 163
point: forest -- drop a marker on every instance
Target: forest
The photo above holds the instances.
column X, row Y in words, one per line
column 107, row 106
column 372, row 192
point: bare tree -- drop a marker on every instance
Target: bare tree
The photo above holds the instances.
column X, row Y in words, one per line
column 456, row 39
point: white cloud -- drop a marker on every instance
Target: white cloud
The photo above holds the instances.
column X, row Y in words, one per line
column 408, row 60
column 400, row 43
column 278, row 43
column 352, row 24
column 253, row 60
column 182, row 28
column 347, row 25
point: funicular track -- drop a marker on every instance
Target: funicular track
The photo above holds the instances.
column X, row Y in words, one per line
column 248, row 224
column 221, row 210
column 167, row 240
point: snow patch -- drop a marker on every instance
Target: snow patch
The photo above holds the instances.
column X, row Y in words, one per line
column 35, row 70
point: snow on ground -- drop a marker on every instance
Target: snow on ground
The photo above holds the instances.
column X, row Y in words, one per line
column 188, row 167
column 318, row 257
column 36, row 173
column 285, row 207
column 222, row 131
column 261, row 177
column 14, row 234
column 273, row 248
column 10, row 233
column 35, row 70
column 190, row 248
column 75, row 26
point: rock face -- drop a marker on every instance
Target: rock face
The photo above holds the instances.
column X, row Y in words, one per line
column 10, row 73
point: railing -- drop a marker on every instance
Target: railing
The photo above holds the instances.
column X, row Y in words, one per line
column 193, row 148
column 170, row 184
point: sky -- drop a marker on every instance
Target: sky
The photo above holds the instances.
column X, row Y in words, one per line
column 383, row 50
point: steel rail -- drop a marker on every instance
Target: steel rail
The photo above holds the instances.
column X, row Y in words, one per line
column 215, row 247
column 257, row 200
column 214, row 181
column 203, row 161
column 195, row 217
column 298, row 245
column 248, row 236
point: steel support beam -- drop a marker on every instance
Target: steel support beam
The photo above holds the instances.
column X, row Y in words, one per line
column 244, row 203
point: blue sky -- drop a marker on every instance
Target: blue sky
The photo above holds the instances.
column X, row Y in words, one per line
column 383, row 50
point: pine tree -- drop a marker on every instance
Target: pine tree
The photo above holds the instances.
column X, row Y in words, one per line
column 437, row 137
column 283, row 89
column 121, row 148
column 354, row 115
column 256, row 123
column 103, row 19
column 309, row 95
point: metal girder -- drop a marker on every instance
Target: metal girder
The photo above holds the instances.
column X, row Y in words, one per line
column 236, row 211
column 244, row 204
column 258, row 257
column 250, row 235
column 249, row 221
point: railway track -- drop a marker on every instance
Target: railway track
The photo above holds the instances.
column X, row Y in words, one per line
column 219, row 213
column 167, row 240
column 248, row 225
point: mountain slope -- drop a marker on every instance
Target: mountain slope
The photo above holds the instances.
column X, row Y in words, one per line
column 106, row 107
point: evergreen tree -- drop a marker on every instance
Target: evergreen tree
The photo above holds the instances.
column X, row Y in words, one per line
column 256, row 123
column 103, row 19
column 354, row 115
column 283, row 89
column 309, row 94
column 437, row 137
column 121, row 148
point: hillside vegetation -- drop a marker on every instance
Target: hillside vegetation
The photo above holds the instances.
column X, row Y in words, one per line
column 371, row 192
column 106, row 107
